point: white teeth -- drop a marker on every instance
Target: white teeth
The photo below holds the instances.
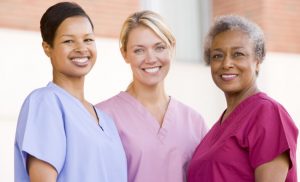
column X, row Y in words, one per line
column 152, row 70
column 228, row 76
column 80, row 60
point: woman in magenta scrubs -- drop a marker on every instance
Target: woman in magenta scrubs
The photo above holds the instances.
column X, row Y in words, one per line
column 255, row 138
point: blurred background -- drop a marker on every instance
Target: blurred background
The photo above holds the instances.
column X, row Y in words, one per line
column 24, row 67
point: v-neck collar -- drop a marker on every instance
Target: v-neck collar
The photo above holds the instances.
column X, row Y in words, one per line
column 67, row 94
column 145, row 112
column 238, row 108
column 221, row 130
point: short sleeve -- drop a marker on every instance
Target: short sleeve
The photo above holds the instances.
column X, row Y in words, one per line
column 272, row 134
column 40, row 129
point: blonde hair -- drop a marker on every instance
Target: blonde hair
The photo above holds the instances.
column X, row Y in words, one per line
column 150, row 20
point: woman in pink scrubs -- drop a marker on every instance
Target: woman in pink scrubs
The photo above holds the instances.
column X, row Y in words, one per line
column 159, row 133
column 255, row 138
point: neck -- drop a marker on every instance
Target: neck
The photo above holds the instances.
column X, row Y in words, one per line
column 153, row 98
column 234, row 99
column 148, row 95
column 73, row 86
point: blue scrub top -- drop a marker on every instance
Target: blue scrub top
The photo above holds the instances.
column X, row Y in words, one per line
column 55, row 127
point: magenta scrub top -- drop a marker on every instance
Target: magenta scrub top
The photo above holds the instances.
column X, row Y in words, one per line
column 154, row 153
column 256, row 132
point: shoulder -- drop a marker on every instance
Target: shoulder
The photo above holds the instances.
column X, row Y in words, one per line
column 41, row 94
column 271, row 114
column 183, row 108
column 107, row 121
column 270, row 130
column 44, row 97
column 268, row 105
column 108, row 103
column 188, row 117
column 183, row 112
column 103, row 115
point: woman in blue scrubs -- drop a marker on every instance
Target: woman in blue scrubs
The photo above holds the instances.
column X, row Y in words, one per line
column 60, row 136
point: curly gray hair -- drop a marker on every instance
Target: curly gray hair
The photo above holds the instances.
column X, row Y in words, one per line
column 235, row 22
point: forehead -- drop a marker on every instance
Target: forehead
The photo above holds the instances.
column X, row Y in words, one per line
column 143, row 35
column 75, row 25
column 232, row 38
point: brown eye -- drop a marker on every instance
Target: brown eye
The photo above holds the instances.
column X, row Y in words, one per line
column 89, row 40
column 68, row 41
column 216, row 56
column 238, row 54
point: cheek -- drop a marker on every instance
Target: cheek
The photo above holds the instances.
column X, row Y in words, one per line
column 135, row 60
column 166, row 62
column 94, row 52
column 94, row 48
column 56, row 54
column 165, row 58
column 61, row 52
column 213, row 68
column 251, row 69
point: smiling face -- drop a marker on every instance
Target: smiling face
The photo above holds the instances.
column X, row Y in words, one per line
column 233, row 62
column 148, row 56
column 73, row 53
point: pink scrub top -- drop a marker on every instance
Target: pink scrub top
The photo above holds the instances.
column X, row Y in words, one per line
column 154, row 153
column 256, row 132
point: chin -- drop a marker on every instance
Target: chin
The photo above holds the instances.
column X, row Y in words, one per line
column 230, row 90
column 152, row 83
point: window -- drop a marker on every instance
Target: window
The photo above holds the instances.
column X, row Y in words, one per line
column 189, row 21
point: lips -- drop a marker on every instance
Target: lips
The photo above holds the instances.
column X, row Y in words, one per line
column 80, row 61
column 228, row 77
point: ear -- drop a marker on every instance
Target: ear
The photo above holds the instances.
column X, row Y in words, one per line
column 257, row 67
column 47, row 48
column 124, row 54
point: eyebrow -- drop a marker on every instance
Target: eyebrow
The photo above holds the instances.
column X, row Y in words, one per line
column 139, row 45
column 219, row 49
column 71, row 35
column 238, row 47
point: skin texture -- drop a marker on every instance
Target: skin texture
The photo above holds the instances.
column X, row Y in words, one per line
column 145, row 50
column 233, row 66
column 40, row 171
column 149, row 58
column 273, row 171
column 72, row 56
column 234, row 70
column 74, row 39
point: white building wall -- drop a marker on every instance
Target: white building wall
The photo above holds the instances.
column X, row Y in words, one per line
column 24, row 67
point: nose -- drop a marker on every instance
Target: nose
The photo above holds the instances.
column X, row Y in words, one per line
column 80, row 47
column 227, row 62
column 150, row 57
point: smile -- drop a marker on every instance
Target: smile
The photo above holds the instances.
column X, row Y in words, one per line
column 228, row 76
column 152, row 70
column 80, row 61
